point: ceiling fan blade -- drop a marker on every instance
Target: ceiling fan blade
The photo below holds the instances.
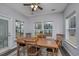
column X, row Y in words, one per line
column 40, row 8
column 27, row 4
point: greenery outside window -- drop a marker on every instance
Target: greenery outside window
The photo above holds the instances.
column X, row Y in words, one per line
column 19, row 28
column 45, row 27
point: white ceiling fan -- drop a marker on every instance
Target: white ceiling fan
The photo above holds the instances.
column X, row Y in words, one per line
column 33, row 6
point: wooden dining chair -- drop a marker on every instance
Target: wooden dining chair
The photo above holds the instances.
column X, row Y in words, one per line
column 20, row 44
column 60, row 38
column 32, row 48
column 56, row 50
column 28, row 35
column 41, row 35
column 58, row 41
column 49, row 51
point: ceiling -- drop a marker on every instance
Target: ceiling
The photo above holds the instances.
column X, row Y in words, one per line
column 47, row 8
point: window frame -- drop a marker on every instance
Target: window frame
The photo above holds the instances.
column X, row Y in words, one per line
column 67, row 28
column 42, row 28
column 21, row 27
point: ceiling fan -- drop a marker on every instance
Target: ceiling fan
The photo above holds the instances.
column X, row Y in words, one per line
column 34, row 6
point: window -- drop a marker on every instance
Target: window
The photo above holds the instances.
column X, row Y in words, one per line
column 19, row 28
column 46, row 27
column 38, row 27
column 71, row 30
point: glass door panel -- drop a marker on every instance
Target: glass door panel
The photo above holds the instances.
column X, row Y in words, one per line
column 1, row 40
column 3, row 33
column 1, row 43
column 5, row 43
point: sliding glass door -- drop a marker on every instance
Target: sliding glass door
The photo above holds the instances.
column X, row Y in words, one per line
column 3, row 33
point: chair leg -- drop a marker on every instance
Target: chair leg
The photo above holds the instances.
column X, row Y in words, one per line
column 52, row 51
column 39, row 53
column 18, row 51
column 56, row 51
column 47, row 53
column 24, row 50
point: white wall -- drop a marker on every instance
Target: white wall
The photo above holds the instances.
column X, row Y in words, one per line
column 11, row 15
column 57, row 20
column 72, row 7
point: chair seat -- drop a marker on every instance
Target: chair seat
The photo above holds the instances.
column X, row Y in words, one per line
column 33, row 47
column 33, row 50
column 48, row 49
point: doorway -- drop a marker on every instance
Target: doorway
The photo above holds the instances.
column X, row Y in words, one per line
column 3, row 33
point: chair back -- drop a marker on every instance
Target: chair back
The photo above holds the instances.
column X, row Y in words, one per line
column 20, row 41
column 58, row 42
column 28, row 35
column 41, row 36
column 59, row 38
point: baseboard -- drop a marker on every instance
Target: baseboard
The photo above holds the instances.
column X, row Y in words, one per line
column 64, row 51
column 68, row 52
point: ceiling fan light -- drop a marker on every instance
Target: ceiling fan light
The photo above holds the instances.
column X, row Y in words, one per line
column 32, row 6
column 36, row 6
column 35, row 9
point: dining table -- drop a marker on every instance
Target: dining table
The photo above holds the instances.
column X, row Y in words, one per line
column 41, row 42
column 47, row 43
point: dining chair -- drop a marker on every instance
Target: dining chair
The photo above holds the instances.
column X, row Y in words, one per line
column 49, row 51
column 59, row 38
column 53, row 51
column 32, row 48
column 20, row 44
column 28, row 35
column 33, row 51
column 56, row 50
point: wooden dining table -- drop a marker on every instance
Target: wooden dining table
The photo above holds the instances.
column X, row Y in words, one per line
column 50, row 43
column 42, row 42
column 30, row 41
column 47, row 43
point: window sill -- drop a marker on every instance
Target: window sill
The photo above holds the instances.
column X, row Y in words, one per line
column 70, row 44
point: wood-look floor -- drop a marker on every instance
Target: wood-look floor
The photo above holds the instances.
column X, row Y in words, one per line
column 44, row 53
column 13, row 52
